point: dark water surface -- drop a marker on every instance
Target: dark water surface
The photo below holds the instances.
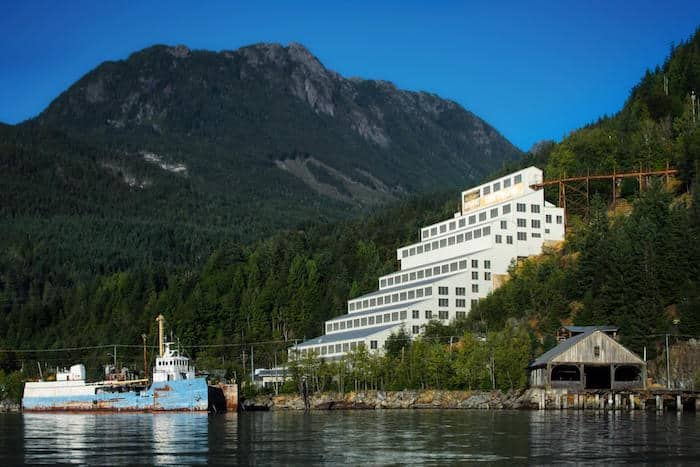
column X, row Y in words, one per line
column 445, row 437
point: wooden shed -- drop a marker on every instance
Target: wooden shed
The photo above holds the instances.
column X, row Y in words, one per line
column 590, row 359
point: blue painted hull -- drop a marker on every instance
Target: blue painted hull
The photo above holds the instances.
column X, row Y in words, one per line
column 183, row 395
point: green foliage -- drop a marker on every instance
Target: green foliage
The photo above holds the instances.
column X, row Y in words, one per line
column 11, row 386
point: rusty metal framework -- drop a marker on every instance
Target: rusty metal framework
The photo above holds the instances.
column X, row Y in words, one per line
column 574, row 192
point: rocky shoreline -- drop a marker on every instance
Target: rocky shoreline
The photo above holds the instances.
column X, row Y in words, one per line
column 7, row 405
column 369, row 400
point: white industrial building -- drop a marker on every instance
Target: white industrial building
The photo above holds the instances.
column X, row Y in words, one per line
column 455, row 263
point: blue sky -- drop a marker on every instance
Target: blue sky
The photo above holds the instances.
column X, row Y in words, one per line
column 534, row 70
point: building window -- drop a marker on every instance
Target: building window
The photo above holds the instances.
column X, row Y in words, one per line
column 496, row 186
column 356, row 323
column 337, row 348
column 444, row 314
column 499, row 239
column 522, row 222
column 506, row 209
column 451, row 241
column 353, row 345
column 475, row 275
column 536, row 235
column 349, row 324
column 509, row 239
column 487, row 190
column 395, row 316
column 461, row 314
column 443, row 291
column 346, row 347
column 463, row 264
column 548, row 218
column 506, row 183
column 475, row 288
column 436, row 270
column 428, row 314
column 342, row 325
column 460, row 238
column 546, row 231
column 403, row 314
column 494, row 213
column 477, row 233
column 364, row 322
column 433, row 231
column 390, row 281
column 419, row 293
column 482, row 216
column 416, row 329
column 504, row 225
column 329, row 327
column 411, row 294
column 370, row 320
column 436, row 245
column 475, row 263
column 428, row 272
column 379, row 319
column 460, row 291
column 461, row 303
column 419, row 274
column 415, row 314
column 520, row 207
column 467, row 236
column 596, row 351
column 487, row 264
column 412, row 252
column 404, row 253
column 351, row 306
column 517, row 179
column 453, row 225
column 487, row 276
column 426, row 247
column 419, row 249
column 535, row 223
column 426, row 234
column 402, row 296
column 443, row 228
column 535, row 208
column 445, row 268
column 559, row 219
column 443, row 302
column 372, row 344
column 443, row 243
column 462, row 222
column 398, row 279
column 472, row 220
column 335, row 326
column 486, row 231
column 522, row 236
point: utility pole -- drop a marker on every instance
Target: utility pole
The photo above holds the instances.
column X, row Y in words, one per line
column 41, row 376
column 252, row 366
column 145, row 360
column 668, row 366
column 115, row 358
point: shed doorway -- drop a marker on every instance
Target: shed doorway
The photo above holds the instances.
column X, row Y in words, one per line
column 597, row 376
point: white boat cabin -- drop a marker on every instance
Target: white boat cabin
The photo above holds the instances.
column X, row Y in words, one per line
column 171, row 366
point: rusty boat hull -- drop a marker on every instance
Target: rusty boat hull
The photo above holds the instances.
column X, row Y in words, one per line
column 164, row 396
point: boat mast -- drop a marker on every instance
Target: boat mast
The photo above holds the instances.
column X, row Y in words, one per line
column 160, row 320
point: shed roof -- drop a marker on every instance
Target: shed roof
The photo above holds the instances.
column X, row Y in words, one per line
column 588, row 331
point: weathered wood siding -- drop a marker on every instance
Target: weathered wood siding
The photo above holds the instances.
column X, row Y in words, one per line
column 610, row 352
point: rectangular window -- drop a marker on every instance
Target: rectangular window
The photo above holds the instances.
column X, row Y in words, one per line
column 404, row 278
column 363, row 322
column 412, row 252
column 496, row 186
column 445, row 268
column 337, row 348
column 453, row 225
column 356, row 323
column 535, row 208
column 504, row 225
column 463, row 264
column 404, row 254
column 536, row 235
column 426, row 248
column 373, row 345
column 444, row 314
column 416, row 329
column 486, row 231
column 398, row 279
column 506, row 209
column 433, row 231
column 475, row 263
column 426, row 234
column 436, row 245
column 324, row 350
column 460, row 291
column 395, row 298
column 387, row 317
column 370, row 320
column 372, row 302
column 517, row 179
column 499, row 239
column 487, row 264
column 468, row 236
column 342, row 325
column 349, row 324
column 329, row 327
column 365, row 303
column 475, row 275
column 379, row 319
column 535, row 223
column 522, row 222
column 460, row 238
column 415, row 314
column 472, row 220
column 436, row 270
column 461, row 314
column 451, row 241
column 482, row 216
column 402, row 296
column 390, row 281
column 428, row 291
column 412, row 276
column 475, row 288
column 487, row 190
column 346, row 347
column 353, row 345
column 462, row 222
column 548, row 218
column 559, row 219
column 461, row 303
column 351, row 306
column 453, row 267
column 419, row 249
column 443, row 243
column 520, row 207
column 444, row 302
column 428, row 314
column 443, row 228
column 522, row 236
column 494, row 213
column 382, row 283
column 419, row 293
column 509, row 239
column 402, row 314
column 487, row 276
column 477, row 233
column 411, row 294
column 419, row 274
column 546, row 231
column 428, row 272
column 336, row 326
column 506, row 183
column 443, row 290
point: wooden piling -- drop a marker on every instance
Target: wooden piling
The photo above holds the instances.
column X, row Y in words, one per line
column 679, row 403
column 659, row 403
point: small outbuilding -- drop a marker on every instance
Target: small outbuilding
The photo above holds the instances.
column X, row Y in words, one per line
column 590, row 359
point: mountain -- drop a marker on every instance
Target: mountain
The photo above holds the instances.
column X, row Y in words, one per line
column 200, row 147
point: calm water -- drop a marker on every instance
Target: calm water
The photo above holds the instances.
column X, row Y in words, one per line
column 361, row 437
